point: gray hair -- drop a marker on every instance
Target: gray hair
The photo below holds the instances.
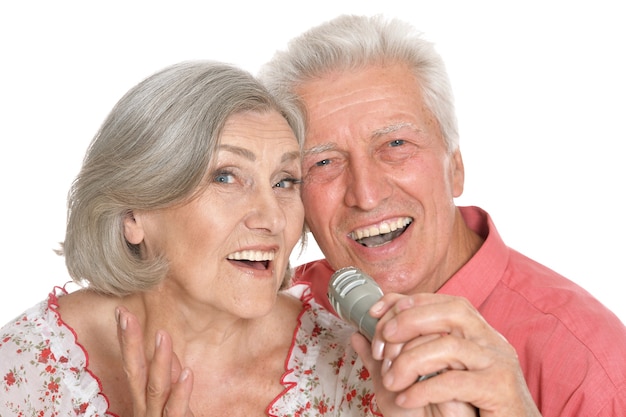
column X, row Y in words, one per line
column 352, row 42
column 152, row 151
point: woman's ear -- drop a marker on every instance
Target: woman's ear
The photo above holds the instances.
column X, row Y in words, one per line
column 133, row 229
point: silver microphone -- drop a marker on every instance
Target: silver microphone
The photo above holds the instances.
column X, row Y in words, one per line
column 352, row 293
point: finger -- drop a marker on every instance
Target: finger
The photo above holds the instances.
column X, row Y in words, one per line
column 394, row 305
column 438, row 392
column 178, row 402
column 424, row 359
column 440, row 353
column 130, row 337
column 448, row 388
column 385, row 399
column 160, row 375
column 385, row 309
column 497, row 390
column 176, row 368
column 385, row 304
column 436, row 313
column 393, row 350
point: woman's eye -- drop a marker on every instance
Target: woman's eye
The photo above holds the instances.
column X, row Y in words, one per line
column 224, row 178
column 288, row 183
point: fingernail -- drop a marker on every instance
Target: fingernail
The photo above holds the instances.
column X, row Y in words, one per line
column 120, row 318
column 378, row 347
column 184, row 374
column 405, row 304
column 158, row 339
column 400, row 399
column 386, row 366
column 377, row 307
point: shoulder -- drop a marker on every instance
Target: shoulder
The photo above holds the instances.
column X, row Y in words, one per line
column 322, row 368
column 563, row 335
column 39, row 354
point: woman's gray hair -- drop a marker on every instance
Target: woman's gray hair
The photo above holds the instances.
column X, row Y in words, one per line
column 352, row 42
column 152, row 151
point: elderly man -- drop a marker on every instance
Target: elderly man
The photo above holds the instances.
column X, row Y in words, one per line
column 381, row 169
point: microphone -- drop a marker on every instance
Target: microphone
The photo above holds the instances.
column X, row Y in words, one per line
column 352, row 293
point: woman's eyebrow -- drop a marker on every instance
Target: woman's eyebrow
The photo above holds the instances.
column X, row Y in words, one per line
column 288, row 156
column 239, row 151
column 291, row 156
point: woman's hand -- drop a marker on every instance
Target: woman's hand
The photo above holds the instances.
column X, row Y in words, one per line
column 159, row 387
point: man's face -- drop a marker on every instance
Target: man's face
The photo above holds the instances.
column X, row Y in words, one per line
column 379, row 182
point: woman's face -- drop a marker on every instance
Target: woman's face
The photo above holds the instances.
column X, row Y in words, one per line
column 229, row 247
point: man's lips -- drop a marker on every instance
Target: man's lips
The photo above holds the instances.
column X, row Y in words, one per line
column 381, row 233
column 255, row 259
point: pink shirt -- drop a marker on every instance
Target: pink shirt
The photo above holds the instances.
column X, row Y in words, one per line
column 571, row 348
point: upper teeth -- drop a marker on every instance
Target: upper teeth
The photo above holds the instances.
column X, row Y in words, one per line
column 252, row 255
column 379, row 229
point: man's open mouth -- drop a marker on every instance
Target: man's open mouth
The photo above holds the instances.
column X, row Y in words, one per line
column 382, row 233
column 252, row 258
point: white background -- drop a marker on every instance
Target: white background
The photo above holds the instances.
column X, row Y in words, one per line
column 540, row 89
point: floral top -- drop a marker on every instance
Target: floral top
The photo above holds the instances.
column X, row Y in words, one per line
column 324, row 374
column 44, row 371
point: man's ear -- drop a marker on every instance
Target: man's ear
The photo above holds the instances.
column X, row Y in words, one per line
column 133, row 229
column 458, row 173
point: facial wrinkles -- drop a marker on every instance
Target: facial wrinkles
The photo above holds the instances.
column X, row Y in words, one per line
column 269, row 144
column 325, row 105
column 359, row 107
column 364, row 135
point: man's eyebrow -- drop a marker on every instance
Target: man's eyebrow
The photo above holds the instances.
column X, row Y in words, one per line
column 376, row 133
column 393, row 128
column 239, row 151
column 318, row 149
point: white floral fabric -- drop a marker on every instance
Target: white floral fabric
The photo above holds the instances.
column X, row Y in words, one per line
column 44, row 370
column 324, row 375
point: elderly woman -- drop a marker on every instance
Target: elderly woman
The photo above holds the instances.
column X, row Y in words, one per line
column 180, row 227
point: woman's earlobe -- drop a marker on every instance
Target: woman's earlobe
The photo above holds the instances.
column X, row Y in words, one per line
column 133, row 231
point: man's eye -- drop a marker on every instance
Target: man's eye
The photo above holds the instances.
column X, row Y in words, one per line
column 324, row 169
column 322, row 163
column 397, row 142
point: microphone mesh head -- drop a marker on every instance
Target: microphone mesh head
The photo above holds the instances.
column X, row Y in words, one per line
column 352, row 292
column 341, row 283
